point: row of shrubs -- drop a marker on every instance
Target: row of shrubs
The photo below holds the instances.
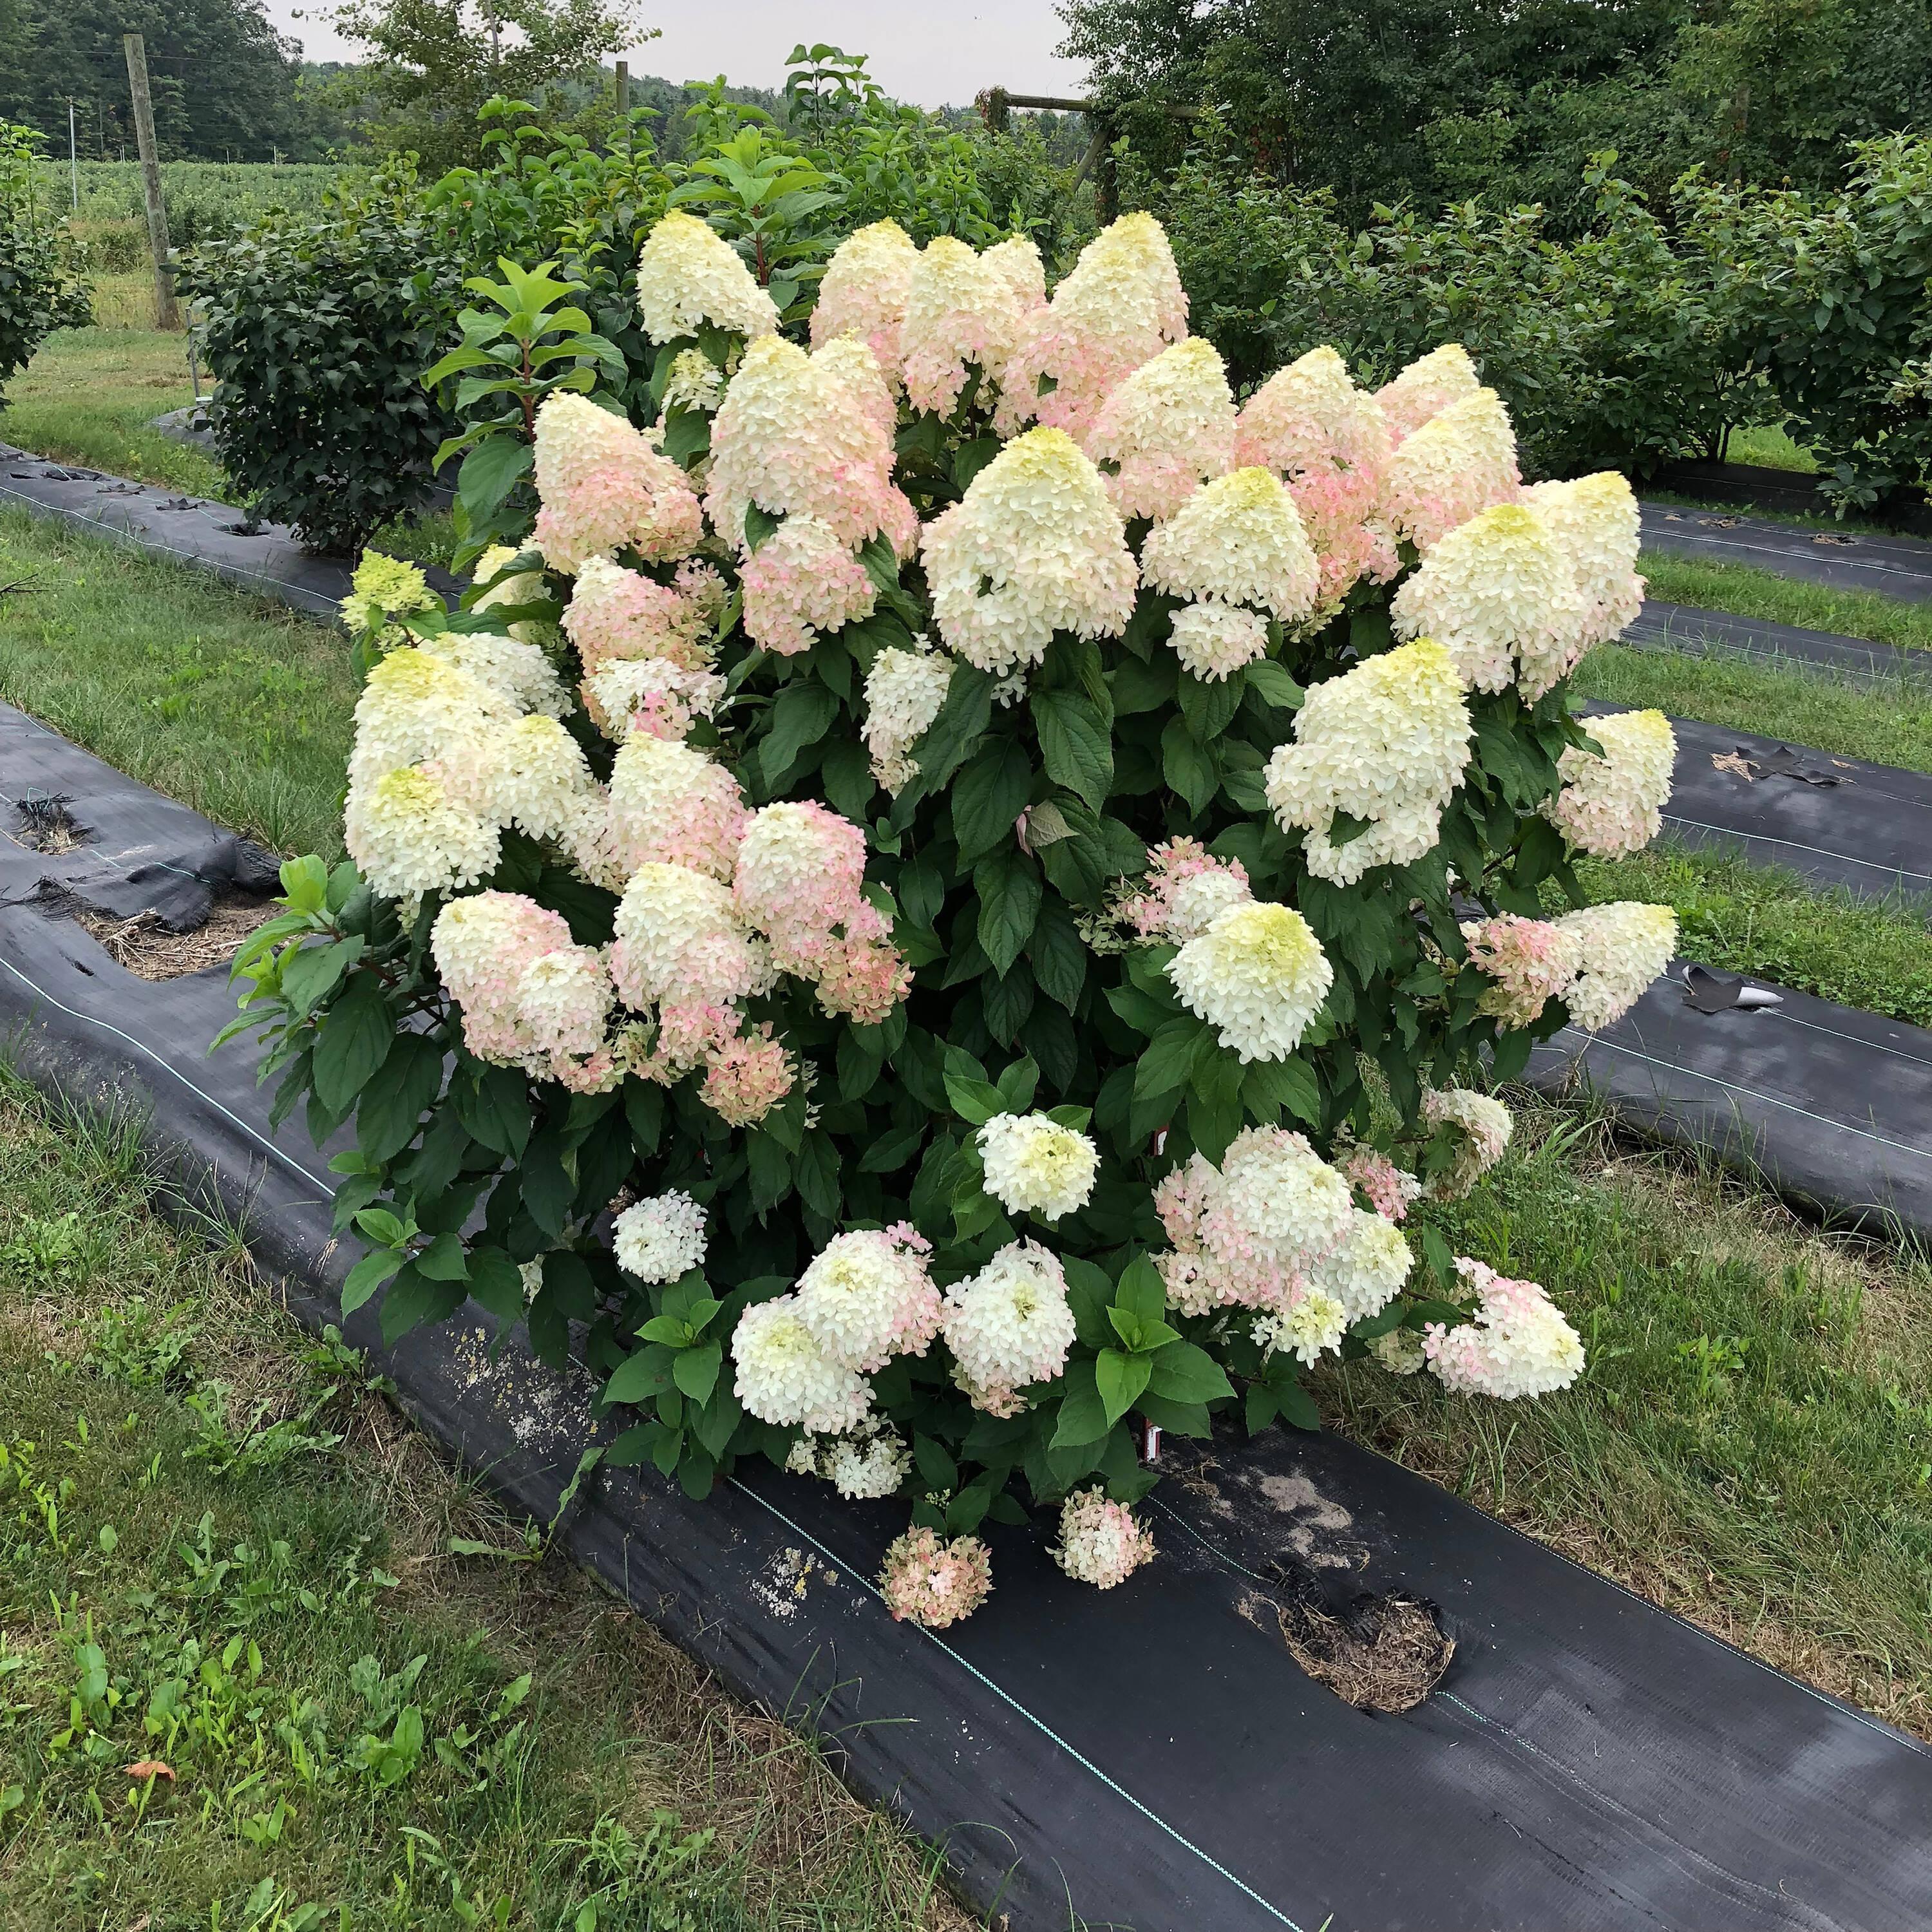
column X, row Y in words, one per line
column 1646, row 337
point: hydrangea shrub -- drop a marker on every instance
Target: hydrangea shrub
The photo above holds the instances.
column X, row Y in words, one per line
column 939, row 930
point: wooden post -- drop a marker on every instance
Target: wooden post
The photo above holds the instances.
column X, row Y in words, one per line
column 623, row 92
column 165, row 314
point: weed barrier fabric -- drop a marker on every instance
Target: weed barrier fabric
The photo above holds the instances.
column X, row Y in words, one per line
column 1836, row 821
column 1153, row 1757
column 1792, row 493
column 1844, row 559
column 263, row 557
column 1785, row 647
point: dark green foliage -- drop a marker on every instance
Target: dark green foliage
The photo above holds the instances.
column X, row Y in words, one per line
column 41, row 288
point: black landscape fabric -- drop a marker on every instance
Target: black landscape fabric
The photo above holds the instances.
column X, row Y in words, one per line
column 1791, row 493
column 1785, row 647
column 1835, row 821
column 1153, row 1757
column 1844, row 559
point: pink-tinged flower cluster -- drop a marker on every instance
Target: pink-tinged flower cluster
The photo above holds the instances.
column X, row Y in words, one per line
column 747, row 1078
column 1100, row 1543
column 800, row 880
column 1327, row 441
column 964, row 311
column 1164, row 430
column 1251, row 1233
column 1121, row 304
column 602, row 488
column 799, row 581
column 1478, row 1127
column 1457, row 465
column 680, row 943
column 1612, row 806
column 1518, row 1345
column 1427, row 387
column 530, row 998
column 934, row 1583
column 868, row 1296
column 864, row 291
column 651, row 697
column 671, row 804
column 1389, row 1190
column 1530, row 961
column 616, row 615
column 1009, row 1326
column 1184, row 890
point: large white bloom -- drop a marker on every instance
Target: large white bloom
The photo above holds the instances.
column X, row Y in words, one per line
column 1034, row 546
column 785, row 1376
column 1457, row 465
column 1236, row 540
column 1595, row 519
column 417, row 707
column 1009, row 1326
column 1624, row 947
column 1259, row 974
column 601, row 486
column 1387, row 742
column 1365, row 1273
column 1165, row 429
column 961, row 312
column 660, row 1238
column 688, row 275
column 672, row 804
column 863, row 291
column 680, row 943
column 1613, row 805
column 1424, row 389
column 868, row 1297
column 408, row 838
column 1034, row 1164
column 1519, row 1344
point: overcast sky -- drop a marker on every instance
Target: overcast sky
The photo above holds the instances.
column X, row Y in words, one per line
column 935, row 54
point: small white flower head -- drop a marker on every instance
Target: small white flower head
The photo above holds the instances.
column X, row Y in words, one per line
column 1166, row 429
column 934, row 1583
column 868, row 1297
column 1457, row 465
column 1009, row 1326
column 961, row 313
column 1612, row 806
column 1519, row 1344
column 1236, row 540
column 1035, row 546
column 1595, row 519
column 417, row 708
column 1034, row 1164
column 904, row 691
column 526, row 586
column 1185, row 890
column 1401, row 1351
column 1100, row 1543
column 1387, row 742
column 408, row 838
column 1424, row 390
column 483, row 944
column 870, row 1461
column 1259, row 974
column 563, row 1004
column 1366, row 1272
column 694, row 382
column 1311, row 1326
column 383, row 587
column 1623, row 947
column 533, row 775
column 1214, row 640
column 688, row 275
column 1017, row 263
column 660, row 1238
column 1480, row 1126
column 601, row 487
column 785, row 1376
column 1121, row 304
column 670, row 804
column 1498, row 594
column 864, row 290
column 655, row 697
column 519, row 673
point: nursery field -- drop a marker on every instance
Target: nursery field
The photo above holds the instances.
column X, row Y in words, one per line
column 265, row 1657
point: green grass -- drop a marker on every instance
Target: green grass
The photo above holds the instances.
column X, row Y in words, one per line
column 88, row 396
column 1890, row 724
column 1771, row 923
column 233, row 704
column 1750, row 592
column 1772, row 447
column 1751, row 1443
column 221, row 1550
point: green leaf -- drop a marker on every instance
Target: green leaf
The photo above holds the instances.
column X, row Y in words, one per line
column 1059, row 955
column 494, row 1107
column 1141, row 1292
column 1083, row 1416
column 389, row 1110
column 1182, row 1373
column 799, row 717
column 1019, row 1084
column 305, row 884
column 496, row 1283
column 934, row 1464
column 1008, row 889
column 760, row 524
column 356, row 1036
column 1188, row 767
column 976, row 1102
column 367, row 1275
column 414, row 1301
column 1076, row 743
column 1289, row 1084
column 1167, row 1064
column 988, row 795
column 1121, row 1378
column 1209, row 704
column 490, row 472
column 314, row 973
column 640, row 1377
column 444, row 1260
column 1274, row 684
column 695, row 1371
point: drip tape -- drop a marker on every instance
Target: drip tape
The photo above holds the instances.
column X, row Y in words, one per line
column 1152, row 1756
column 1844, row 559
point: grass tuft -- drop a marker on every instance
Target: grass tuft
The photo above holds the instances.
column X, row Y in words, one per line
column 1748, row 592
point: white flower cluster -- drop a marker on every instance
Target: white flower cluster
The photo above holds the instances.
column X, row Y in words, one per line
column 1387, row 743
column 1595, row 518
column 1458, row 464
column 863, row 291
column 1518, row 1345
column 693, row 382
column 786, row 1375
column 1423, row 391
column 1612, row 806
column 1035, row 1165
column 1259, row 974
column 660, row 1238
column 1034, row 546
column 904, row 691
column 1167, row 428
column 1479, row 1128
column 1100, row 1543
column 1621, row 947
column 602, row 487
column 1311, row 1327
column 1009, row 1326
column 870, row 1461
column 688, row 276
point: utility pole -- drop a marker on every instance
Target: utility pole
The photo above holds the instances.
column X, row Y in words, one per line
column 165, row 315
column 73, row 155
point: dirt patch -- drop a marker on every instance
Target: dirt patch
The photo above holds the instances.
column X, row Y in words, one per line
column 47, row 825
column 1387, row 1655
column 149, row 950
